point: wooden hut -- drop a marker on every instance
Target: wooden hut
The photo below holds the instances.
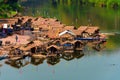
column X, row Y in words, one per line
column 68, row 50
column 15, row 52
column 92, row 31
column 57, row 42
column 78, row 33
column 82, row 30
column 68, row 47
column 67, row 35
column 78, row 45
column 53, row 53
column 33, row 47
column 98, row 45
column 53, row 49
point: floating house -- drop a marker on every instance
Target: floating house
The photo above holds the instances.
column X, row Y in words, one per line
column 53, row 49
column 68, row 47
column 49, row 38
column 78, row 45
column 66, row 35
column 33, row 47
column 92, row 31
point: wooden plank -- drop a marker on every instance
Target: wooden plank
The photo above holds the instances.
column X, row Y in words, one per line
column 15, row 58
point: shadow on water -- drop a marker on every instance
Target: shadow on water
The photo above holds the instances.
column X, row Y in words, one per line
column 36, row 61
column 51, row 60
column 17, row 64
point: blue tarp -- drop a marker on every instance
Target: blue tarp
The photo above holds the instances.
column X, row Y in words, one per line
column 3, row 35
column 67, row 45
column 9, row 31
column 87, row 38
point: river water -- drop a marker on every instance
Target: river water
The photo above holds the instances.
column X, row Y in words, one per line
column 94, row 65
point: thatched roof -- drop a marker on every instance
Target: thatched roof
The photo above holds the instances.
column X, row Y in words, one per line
column 44, row 27
column 23, row 48
column 8, row 21
column 53, row 34
column 16, row 46
column 57, row 26
column 58, row 48
column 66, row 42
column 69, row 28
column 32, row 45
column 82, row 28
column 77, row 32
column 67, row 36
column 56, row 41
column 45, row 21
column 26, row 18
column 92, row 30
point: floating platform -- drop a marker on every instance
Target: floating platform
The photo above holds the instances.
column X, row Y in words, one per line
column 51, row 37
column 39, row 56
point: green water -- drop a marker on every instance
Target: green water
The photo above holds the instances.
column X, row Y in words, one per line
column 103, row 65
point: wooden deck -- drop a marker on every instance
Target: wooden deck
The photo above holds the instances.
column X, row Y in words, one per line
column 39, row 56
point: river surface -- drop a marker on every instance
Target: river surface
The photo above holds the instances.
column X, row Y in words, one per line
column 94, row 65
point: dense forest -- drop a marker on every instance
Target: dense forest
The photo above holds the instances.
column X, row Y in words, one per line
column 9, row 8
column 101, row 3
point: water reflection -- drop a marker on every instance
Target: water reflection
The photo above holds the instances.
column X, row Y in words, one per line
column 68, row 56
column 50, row 60
column 104, row 65
column 36, row 61
column 53, row 60
column 17, row 64
column 78, row 54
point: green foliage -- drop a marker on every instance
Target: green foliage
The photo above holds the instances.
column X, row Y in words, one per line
column 9, row 8
column 102, row 3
